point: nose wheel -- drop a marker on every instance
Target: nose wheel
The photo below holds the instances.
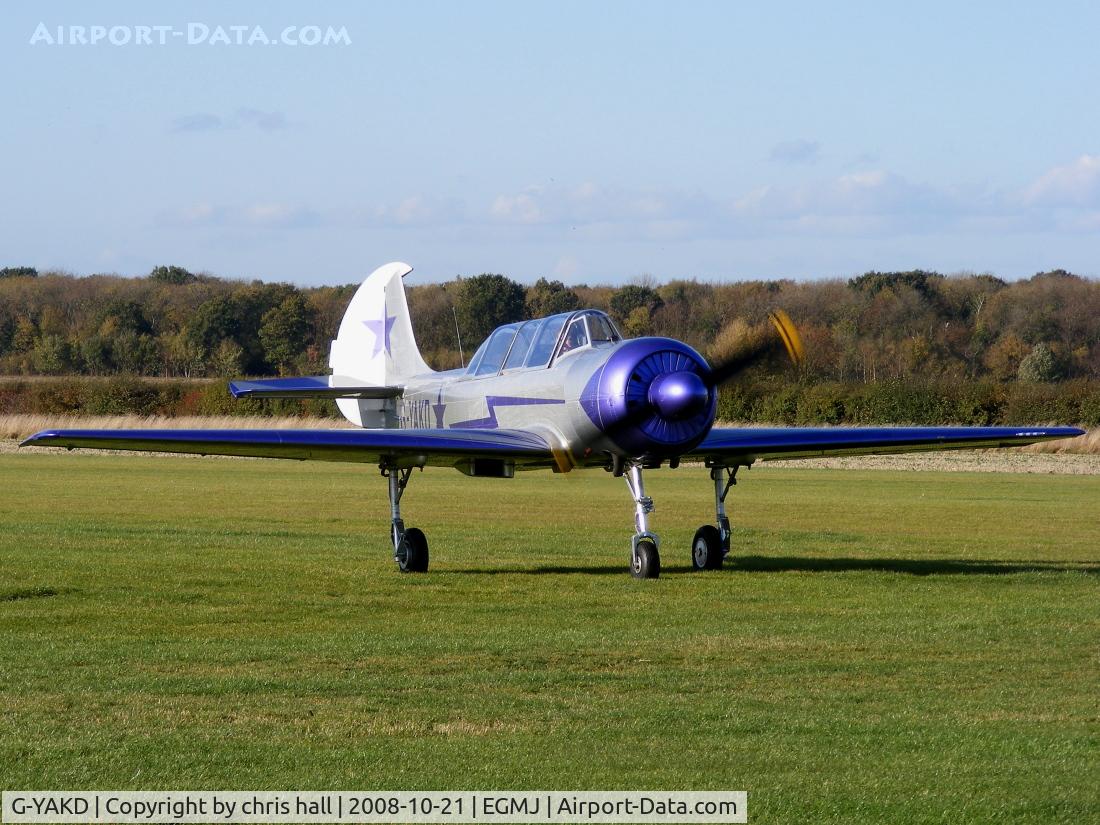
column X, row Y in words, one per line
column 645, row 557
column 645, row 563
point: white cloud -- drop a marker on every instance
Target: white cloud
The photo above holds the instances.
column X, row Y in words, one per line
column 589, row 204
column 863, row 202
column 415, row 210
column 521, row 208
column 1074, row 184
column 279, row 215
column 871, row 193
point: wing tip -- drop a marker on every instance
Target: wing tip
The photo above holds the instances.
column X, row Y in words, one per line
column 41, row 435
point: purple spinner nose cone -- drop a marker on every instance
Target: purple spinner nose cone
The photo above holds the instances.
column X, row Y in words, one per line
column 678, row 395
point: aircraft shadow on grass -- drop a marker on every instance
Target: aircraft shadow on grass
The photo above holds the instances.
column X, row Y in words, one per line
column 805, row 564
column 915, row 567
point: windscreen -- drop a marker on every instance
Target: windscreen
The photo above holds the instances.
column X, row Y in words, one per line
column 495, row 350
column 575, row 337
column 524, row 338
column 543, row 348
column 599, row 327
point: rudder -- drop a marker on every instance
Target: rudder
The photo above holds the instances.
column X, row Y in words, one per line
column 375, row 344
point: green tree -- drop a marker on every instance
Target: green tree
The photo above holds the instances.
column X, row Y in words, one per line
column 637, row 323
column 214, row 321
column 18, row 272
column 95, row 355
column 633, row 296
column 227, row 360
column 918, row 279
column 285, row 330
column 251, row 305
column 550, row 298
column 181, row 354
column 135, row 353
column 486, row 301
column 7, row 330
column 25, row 335
column 124, row 316
column 171, row 275
column 1039, row 365
column 51, row 355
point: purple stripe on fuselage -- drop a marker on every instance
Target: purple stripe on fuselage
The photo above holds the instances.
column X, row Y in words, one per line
column 494, row 401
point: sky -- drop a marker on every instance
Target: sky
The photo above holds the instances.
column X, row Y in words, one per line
column 585, row 142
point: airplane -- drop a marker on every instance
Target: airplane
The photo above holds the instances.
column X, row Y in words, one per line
column 559, row 393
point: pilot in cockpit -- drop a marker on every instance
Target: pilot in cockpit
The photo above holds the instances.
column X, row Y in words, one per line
column 575, row 337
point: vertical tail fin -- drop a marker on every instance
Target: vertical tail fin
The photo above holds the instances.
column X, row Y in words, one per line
column 375, row 344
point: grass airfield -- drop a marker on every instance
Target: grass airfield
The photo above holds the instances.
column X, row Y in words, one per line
column 888, row 647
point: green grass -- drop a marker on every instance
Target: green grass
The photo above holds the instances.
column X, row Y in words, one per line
column 891, row 647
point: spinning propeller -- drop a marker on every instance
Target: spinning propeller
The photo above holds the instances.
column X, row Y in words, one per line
column 669, row 395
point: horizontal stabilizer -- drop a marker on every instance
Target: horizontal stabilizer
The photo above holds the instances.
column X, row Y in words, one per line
column 310, row 386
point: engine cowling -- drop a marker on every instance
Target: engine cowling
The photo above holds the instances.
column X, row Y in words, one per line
column 650, row 398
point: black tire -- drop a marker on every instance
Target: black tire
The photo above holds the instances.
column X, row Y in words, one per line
column 645, row 563
column 706, row 548
column 415, row 557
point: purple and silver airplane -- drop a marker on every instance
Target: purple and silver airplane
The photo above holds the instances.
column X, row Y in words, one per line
column 554, row 393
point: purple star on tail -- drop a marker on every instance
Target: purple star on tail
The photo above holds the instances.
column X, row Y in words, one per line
column 380, row 329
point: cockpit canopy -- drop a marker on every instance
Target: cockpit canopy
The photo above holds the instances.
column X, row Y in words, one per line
column 529, row 344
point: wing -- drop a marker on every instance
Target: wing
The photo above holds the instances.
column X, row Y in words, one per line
column 435, row 447
column 744, row 446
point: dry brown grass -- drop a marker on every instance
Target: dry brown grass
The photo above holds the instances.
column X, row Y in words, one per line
column 1087, row 444
column 25, row 425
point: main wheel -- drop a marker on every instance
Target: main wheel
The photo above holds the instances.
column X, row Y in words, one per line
column 645, row 563
column 415, row 557
column 706, row 548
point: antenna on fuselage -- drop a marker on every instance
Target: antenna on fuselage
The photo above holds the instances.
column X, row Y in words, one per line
column 458, row 335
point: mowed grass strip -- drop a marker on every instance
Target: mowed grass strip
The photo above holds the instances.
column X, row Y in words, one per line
column 902, row 647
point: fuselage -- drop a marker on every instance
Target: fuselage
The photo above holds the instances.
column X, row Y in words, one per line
column 599, row 391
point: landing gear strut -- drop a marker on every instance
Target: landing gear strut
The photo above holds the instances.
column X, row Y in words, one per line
column 645, row 556
column 711, row 544
column 410, row 548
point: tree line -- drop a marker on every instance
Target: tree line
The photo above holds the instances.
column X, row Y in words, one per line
column 877, row 327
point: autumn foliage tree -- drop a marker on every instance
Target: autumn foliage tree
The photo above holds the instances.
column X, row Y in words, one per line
column 910, row 326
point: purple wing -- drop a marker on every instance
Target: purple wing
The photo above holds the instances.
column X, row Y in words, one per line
column 772, row 443
column 442, row 448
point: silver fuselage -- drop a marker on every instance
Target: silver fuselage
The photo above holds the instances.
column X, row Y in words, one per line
column 544, row 400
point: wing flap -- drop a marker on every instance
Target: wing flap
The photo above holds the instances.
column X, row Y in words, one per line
column 435, row 447
column 778, row 443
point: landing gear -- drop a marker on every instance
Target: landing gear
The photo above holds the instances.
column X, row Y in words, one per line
column 415, row 558
column 711, row 544
column 645, row 563
column 410, row 548
column 645, row 556
column 706, row 548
